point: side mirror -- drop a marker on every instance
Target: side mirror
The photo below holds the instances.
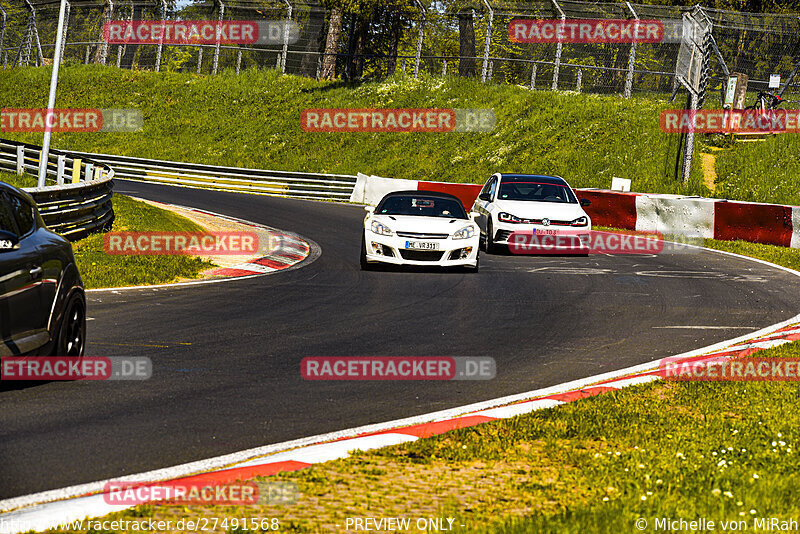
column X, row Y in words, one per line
column 8, row 241
column 485, row 196
column 585, row 202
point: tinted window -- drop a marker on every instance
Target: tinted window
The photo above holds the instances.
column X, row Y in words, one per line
column 423, row 206
column 6, row 217
column 488, row 187
column 536, row 191
column 23, row 213
column 492, row 187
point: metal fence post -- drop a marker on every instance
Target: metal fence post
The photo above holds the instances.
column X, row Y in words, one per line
column 488, row 42
column 199, row 58
column 444, row 68
column 88, row 172
column 490, row 71
column 559, row 47
column 238, row 60
column 64, row 37
column 632, row 55
column 20, row 159
column 3, row 33
column 420, row 37
column 580, row 79
column 119, row 54
column 62, row 163
column 533, row 77
column 687, row 155
column 219, row 36
column 104, row 45
column 161, row 38
column 86, row 60
column 282, row 63
column 36, row 35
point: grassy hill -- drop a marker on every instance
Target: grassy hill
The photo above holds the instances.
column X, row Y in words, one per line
column 253, row 120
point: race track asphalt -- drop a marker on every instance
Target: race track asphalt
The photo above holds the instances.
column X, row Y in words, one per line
column 226, row 357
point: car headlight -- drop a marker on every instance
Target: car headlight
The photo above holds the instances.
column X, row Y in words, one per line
column 507, row 217
column 380, row 229
column 465, row 233
column 580, row 221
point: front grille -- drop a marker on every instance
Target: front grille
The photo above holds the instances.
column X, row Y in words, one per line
column 421, row 255
column 417, row 235
column 502, row 235
column 539, row 221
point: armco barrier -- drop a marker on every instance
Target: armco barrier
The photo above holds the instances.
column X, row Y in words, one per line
column 304, row 185
column 79, row 203
column 771, row 224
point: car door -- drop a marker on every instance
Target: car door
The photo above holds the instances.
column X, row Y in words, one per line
column 482, row 205
column 23, row 321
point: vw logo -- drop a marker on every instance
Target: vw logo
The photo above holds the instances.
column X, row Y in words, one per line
column 545, row 222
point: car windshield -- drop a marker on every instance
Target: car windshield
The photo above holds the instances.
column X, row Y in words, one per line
column 423, row 206
column 539, row 191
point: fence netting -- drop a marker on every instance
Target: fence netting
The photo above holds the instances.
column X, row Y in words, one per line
column 453, row 37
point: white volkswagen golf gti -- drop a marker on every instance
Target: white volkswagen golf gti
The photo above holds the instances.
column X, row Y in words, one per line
column 419, row 228
column 526, row 202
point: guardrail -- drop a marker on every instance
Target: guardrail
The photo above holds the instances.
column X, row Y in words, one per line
column 303, row 185
column 79, row 202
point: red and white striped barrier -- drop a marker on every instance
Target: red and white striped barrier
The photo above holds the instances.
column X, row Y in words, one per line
column 771, row 224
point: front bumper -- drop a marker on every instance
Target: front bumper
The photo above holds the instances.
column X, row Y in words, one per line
column 502, row 230
column 391, row 249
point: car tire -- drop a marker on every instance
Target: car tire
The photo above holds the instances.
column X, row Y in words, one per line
column 365, row 265
column 71, row 336
column 490, row 246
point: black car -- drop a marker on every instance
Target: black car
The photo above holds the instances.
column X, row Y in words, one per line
column 42, row 301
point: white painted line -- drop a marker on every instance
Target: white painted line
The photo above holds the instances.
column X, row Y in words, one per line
column 636, row 380
column 708, row 327
column 253, row 268
column 504, row 412
column 334, row 450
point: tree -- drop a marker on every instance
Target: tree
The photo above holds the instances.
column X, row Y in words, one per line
column 466, row 44
column 332, row 44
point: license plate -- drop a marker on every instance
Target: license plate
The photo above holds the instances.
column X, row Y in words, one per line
column 421, row 245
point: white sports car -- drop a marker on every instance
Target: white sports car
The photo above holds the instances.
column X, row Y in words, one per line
column 527, row 202
column 419, row 228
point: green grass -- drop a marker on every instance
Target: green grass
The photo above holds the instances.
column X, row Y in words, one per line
column 100, row 269
column 18, row 181
column 725, row 451
column 253, row 120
